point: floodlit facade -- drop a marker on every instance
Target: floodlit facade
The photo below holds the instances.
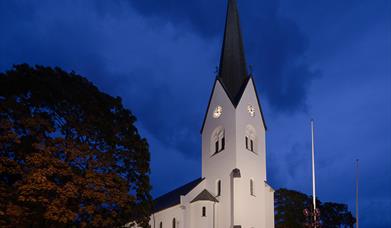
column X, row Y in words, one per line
column 232, row 191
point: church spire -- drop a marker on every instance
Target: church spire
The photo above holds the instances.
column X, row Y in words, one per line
column 233, row 70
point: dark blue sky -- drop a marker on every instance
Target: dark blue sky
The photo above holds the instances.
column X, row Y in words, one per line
column 330, row 60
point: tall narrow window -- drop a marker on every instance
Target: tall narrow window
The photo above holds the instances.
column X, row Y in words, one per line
column 252, row 187
column 161, row 225
column 203, row 211
column 223, row 143
column 247, row 142
column 217, row 141
column 218, row 188
column 173, row 223
column 252, row 145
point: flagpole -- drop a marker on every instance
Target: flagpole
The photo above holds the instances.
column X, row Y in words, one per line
column 357, row 193
column 313, row 169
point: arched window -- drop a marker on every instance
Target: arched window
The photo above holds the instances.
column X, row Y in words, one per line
column 250, row 138
column 252, row 187
column 173, row 223
column 218, row 188
column 217, row 141
column 161, row 225
column 203, row 211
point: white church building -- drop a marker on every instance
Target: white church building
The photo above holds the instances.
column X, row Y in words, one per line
column 233, row 190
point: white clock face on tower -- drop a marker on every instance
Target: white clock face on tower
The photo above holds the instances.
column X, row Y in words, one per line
column 251, row 110
column 217, row 112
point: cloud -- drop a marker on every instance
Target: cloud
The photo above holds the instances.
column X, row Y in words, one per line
column 294, row 160
column 159, row 56
column 277, row 49
column 275, row 45
column 162, row 72
column 173, row 44
column 203, row 16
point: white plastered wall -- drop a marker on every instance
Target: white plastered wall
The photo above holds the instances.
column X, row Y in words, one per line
column 220, row 165
column 250, row 210
column 236, row 202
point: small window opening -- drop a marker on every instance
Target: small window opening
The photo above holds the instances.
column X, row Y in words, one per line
column 203, row 211
column 223, row 143
column 219, row 188
column 252, row 187
column 246, row 142
column 161, row 225
column 173, row 223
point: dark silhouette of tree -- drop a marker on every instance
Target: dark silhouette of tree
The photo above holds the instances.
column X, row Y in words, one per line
column 336, row 215
column 70, row 155
column 289, row 206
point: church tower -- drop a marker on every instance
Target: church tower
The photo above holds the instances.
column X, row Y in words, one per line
column 232, row 192
column 233, row 139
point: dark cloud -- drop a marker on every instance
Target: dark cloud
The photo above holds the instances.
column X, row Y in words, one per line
column 283, row 73
column 159, row 56
column 276, row 47
column 150, row 67
column 204, row 16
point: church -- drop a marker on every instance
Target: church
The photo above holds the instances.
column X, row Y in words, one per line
column 233, row 190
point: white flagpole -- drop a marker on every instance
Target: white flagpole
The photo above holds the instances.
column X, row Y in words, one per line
column 357, row 193
column 313, row 168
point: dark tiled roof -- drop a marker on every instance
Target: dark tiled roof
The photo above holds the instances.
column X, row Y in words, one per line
column 173, row 198
column 205, row 196
column 233, row 69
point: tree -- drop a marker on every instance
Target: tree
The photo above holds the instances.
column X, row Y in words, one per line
column 289, row 206
column 70, row 155
column 336, row 215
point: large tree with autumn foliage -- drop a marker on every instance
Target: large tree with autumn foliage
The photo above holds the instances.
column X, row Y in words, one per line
column 70, row 155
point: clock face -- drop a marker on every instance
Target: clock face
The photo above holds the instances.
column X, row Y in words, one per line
column 251, row 110
column 217, row 112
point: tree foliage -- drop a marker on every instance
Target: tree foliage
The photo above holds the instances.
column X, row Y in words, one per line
column 336, row 215
column 70, row 155
column 289, row 206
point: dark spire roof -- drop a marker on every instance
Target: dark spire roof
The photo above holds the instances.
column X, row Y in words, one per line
column 233, row 69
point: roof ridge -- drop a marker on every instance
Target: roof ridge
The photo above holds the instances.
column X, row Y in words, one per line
column 172, row 198
column 205, row 195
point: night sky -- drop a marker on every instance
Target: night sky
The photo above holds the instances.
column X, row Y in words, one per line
column 330, row 60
